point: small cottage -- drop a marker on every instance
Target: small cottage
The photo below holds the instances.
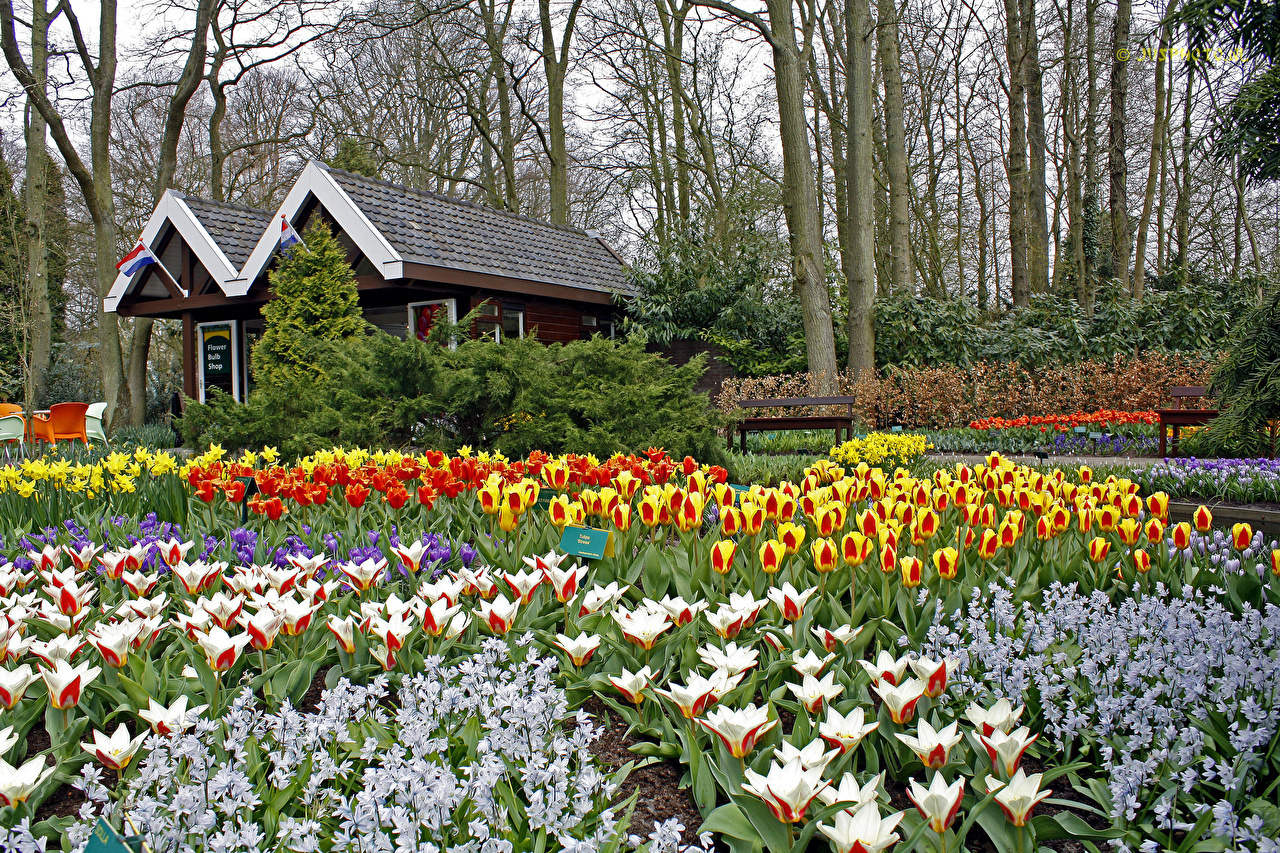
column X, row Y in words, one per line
column 416, row 256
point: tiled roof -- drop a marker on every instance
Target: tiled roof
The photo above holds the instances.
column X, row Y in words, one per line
column 441, row 231
column 236, row 229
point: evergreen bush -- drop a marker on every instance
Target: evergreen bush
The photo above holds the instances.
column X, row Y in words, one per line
column 594, row 396
column 315, row 302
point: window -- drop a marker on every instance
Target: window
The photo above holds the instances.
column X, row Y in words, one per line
column 512, row 322
column 489, row 321
column 423, row 315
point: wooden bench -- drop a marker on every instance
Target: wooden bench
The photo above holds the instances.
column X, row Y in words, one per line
column 1177, row 417
column 840, row 423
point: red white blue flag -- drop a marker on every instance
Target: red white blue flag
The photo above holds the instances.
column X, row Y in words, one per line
column 140, row 257
column 288, row 236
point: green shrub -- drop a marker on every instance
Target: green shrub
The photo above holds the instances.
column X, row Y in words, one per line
column 593, row 396
column 1247, row 388
column 316, row 302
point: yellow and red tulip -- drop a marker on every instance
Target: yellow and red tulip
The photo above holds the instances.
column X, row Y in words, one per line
column 911, row 571
column 946, row 561
column 722, row 554
column 772, row 553
column 825, row 556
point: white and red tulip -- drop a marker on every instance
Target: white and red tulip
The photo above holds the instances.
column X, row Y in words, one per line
column 932, row 746
column 632, row 684
column 934, row 674
column 345, row 630
column 790, row 601
column 14, row 684
column 1020, row 796
column 886, row 668
column 1006, row 750
column 114, row 752
column 66, row 683
column 739, row 731
column 564, row 582
column 813, row 693
column 788, row 790
column 17, row 784
column 901, row 699
column 499, row 615
column 579, row 649
column 845, row 732
column 862, row 832
column 221, row 650
column 175, row 718
column 939, row 803
column 1001, row 715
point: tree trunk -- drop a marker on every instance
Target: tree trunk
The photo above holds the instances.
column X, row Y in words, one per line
column 672, row 19
column 1090, row 201
column 1037, row 215
column 1015, row 54
column 37, row 284
column 1162, row 237
column 1153, row 170
column 887, row 52
column 114, row 381
column 1116, row 154
column 555, row 64
column 1182, row 207
column 861, row 177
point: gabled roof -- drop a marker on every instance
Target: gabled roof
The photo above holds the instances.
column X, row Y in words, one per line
column 437, row 230
column 235, row 228
column 177, row 210
column 392, row 226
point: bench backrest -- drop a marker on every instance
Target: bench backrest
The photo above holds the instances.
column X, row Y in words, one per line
column 797, row 401
column 1183, row 392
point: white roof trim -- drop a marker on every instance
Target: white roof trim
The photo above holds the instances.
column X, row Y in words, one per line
column 172, row 208
column 315, row 181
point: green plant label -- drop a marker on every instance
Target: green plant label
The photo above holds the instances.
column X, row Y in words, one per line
column 895, row 429
column 544, row 501
column 1081, row 430
column 587, row 542
column 738, row 488
column 1095, row 435
column 107, row 840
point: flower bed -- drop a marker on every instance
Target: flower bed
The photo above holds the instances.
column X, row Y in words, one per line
column 1246, row 480
column 860, row 657
column 1062, row 423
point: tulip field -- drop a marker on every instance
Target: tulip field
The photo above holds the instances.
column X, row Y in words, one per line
column 375, row 651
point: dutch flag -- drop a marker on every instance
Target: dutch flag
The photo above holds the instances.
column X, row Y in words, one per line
column 140, row 257
column 289, row 237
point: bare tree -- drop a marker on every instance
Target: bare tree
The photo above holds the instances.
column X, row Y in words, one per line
column 799, row 192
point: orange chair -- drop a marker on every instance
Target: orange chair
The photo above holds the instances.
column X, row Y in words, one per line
column 10, row 409
column 65, row 422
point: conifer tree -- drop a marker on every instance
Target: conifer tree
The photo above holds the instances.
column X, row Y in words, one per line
column 316, row 302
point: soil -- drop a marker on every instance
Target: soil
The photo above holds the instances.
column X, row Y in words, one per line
column 311, row 699
column 661, row 796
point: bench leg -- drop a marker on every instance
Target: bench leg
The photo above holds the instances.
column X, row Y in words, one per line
column 742, row 437
column 1161, row 451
